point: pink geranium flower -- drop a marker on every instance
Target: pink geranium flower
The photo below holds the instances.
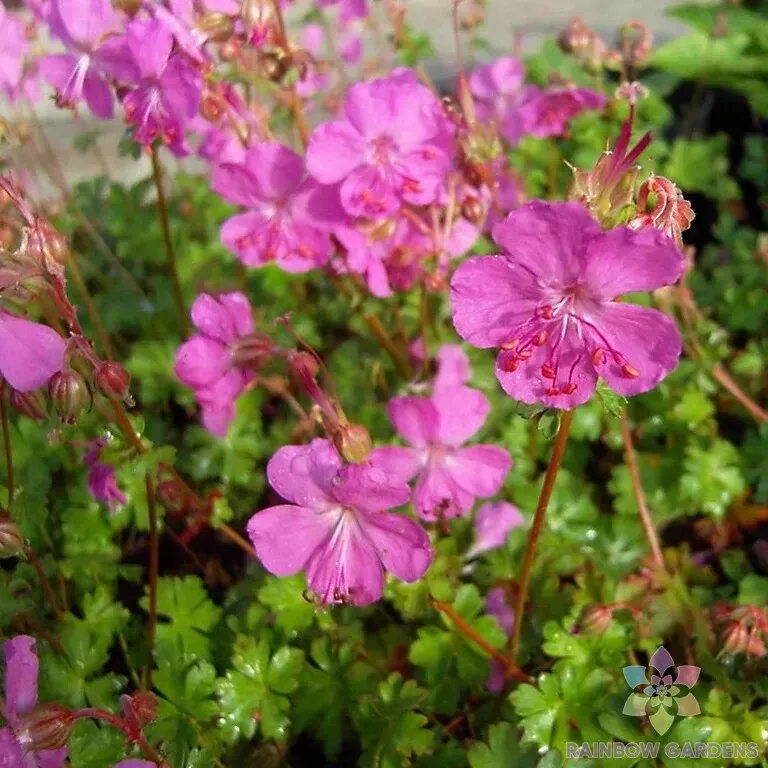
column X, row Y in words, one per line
column 207, row 361
column 497, row 605
column 549, row 302
column 450, row 476
column 288, row 214
column 499, row 90
column 21, row 672
column 337, row 528
column 30, row 353
column 387, row 147
column 102, row 482
column 548, row 113
column 493, row 522
column 166, row 96
column 82, row 26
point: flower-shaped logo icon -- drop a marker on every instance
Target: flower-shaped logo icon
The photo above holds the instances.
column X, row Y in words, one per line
column 660, row 694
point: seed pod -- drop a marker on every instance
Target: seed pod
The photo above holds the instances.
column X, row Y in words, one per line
column 112, row 380
column 11, row 539
column 252, row 351
column 48, row 726
column 29, row 404
column 353, row 442
column 69, row 394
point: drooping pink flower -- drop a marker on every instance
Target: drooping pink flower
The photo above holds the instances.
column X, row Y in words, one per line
column 208, row 362
column 82, row 26
column 30, row 353
column 549, row 303
column 21, row 671
column 387, row 147
column 499, row 90
column 167, row 88
column 288, row 215
column 337, row 527
column 548, row 112
column 450, row 476
column 102, row 482
column 493, row 522
column 497, row 605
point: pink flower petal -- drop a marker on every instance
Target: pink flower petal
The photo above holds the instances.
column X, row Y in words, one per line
column 285, row 537
column 239, row 309
column 30, row 353
column 200, row 361
column 402, row 463
column 415, row 418
column 21, row 670
column 624, row 260
column 648, row 341
column 438, row 495
column 218, row 417
column 236, row 184
column 335, row 150
column 401, row 543
column 304, row 473
column 212, row 319
column 462, row 411
column 491, row 297
column 367, row 194
column 493, row 522
column 98, row 96
column 452, row 367
column 548, row 240
column 369, row 489
column 479, row 469
column 277, row 169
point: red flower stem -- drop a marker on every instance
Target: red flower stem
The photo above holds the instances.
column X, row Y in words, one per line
column 120, row 724
column 513, row 672
column 722, row 377
column 45, row 585
column 630, row 457
column 7, row 447
column 154, row 564
column 98, row 325
column 558, row 451
column 178, row 296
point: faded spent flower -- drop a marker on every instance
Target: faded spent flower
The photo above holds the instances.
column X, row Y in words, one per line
column 337, row 528
column 549, row 303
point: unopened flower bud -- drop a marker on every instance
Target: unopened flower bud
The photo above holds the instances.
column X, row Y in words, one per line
column 11, row 539
column 139, row 709
column 595, row 619
column 216, row 26
column 112, row 380
column 302, row 365
column 353, row 442
column 210, row 107
column 70, row 395
column 735, row 638
column 472, row 210
column 29, row 404
column 252, row 351
column 48, row 726
column 756, row 646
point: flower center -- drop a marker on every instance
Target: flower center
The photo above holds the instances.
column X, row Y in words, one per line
column 381, row 149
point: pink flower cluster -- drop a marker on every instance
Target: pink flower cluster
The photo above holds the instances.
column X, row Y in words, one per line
column 449, row 476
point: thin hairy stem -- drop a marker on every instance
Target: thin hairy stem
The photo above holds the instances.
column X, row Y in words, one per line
column 154, row 564
column 7, row 448
column 170, row 252
column 98, row 324
column 558, row 451
column 728, row 383
column 45, row 584
column 120, row 724
column 630, row 457
column 513, row 672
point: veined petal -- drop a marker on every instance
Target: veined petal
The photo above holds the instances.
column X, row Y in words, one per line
column 461, row 412
column 401, row 543
column 200, row 361
column 212, row 319
column 21, row 670
column 335, row 150
column 30, row 353
column 415, row 418
column 402, row 463
column 479, row 469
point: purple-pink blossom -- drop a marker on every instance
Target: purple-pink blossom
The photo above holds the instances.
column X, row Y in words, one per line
column 12, row 52
column 549, row 303
column 499, row 90
column 288, row 215
column 337, row 527
column 102, row 481
column 388, row 147
column 21, row 672
column 449, row 475
column 493, row 522
column 549, row 112
column 497, row 605
column 207, row 361
column 165, row 85
column 349, row 9
column 30, row 353
column 82, row 26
